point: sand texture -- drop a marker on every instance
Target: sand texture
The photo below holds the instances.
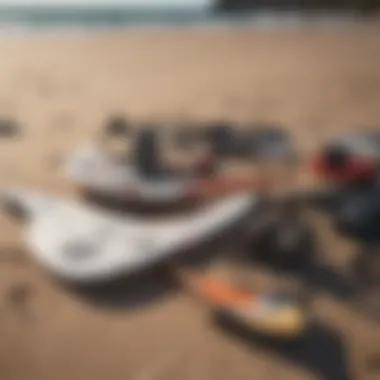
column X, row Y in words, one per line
column 315, row 82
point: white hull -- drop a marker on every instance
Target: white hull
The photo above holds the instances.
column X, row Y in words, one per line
column 95, row 171
column 83, row 244
column 363, row 143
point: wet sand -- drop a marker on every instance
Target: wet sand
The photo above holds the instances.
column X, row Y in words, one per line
column 315, row 82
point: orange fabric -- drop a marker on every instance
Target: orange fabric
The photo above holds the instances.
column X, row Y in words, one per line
column 217, row 292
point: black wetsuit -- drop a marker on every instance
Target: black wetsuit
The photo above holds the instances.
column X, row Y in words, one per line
column 354, row 204
column 355, row 211
column 146, row 157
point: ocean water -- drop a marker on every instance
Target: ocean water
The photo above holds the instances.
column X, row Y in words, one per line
column 67, row 18
column 45, row 17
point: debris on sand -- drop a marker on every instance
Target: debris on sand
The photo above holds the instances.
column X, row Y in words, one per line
column 117, row 126
column 19, row 293
column 18, row 297
column 9, row 128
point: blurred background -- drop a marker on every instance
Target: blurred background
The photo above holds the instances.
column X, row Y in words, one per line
column 121, row 12
column 310, row 67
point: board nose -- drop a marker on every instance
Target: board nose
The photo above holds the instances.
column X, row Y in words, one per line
column 11, row 204
column 21, row 203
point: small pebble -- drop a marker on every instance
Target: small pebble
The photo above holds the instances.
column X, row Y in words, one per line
column 9, row 128
column 19, row 294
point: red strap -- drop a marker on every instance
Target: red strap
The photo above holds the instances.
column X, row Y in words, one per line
column 358, row 168
column 215, row 187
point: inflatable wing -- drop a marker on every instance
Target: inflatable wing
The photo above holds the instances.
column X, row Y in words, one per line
column 267, row 313
column 363, row 143
column 83, row 244
column 350, row 158
column 94, row 170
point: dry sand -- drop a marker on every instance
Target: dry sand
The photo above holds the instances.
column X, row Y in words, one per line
column 314, row 81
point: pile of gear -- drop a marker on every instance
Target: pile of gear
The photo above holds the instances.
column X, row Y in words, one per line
column 86, row 242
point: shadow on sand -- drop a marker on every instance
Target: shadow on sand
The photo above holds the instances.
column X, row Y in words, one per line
column 320, row 350
column 135, row 206
column 318, row 277
column 116, row 295
column 321, row 277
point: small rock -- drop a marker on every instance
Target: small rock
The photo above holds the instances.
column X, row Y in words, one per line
column 117, row 126
column 19, row 294
column 9, row 128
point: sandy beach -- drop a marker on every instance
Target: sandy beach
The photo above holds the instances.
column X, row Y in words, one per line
column 313, row 81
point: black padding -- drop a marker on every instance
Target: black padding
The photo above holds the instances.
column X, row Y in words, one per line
column 336, row 156
column 357, row 215
column 147, row 155
column 269, row 142
column 224, row 139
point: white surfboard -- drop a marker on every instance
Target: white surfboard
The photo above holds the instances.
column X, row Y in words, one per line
column 91, row 168
column 83, row 244
column 363, row 143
